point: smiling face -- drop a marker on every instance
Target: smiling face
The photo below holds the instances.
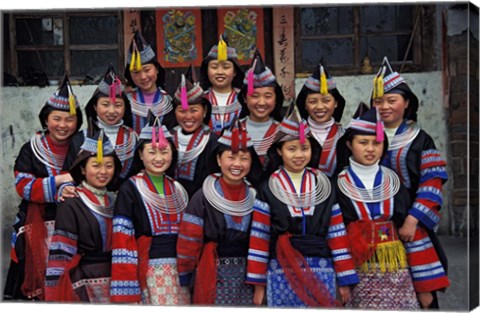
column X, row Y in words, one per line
column 234, row 167
column 391, row 108
column 99, row 175
column 295, row 156
column 261, row 103
column 61, row 125
column 156, row 161
column 110, row 113
column 320, row 107
column 146, row 78
column 366, row 150
column 191, row 119
column 221, row 75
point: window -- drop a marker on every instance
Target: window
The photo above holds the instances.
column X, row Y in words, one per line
column 52, row 43
column 343, row 36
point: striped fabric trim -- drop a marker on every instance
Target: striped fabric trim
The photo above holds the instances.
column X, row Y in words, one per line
column 363, row 126
column 190, row 218
column 418, row 245
column 123, row 225
column 124, row 287
column 424, row 214
column 124, row 256
column 192, row 239
column 427, row 272
column 391, row 81
column 314, row 84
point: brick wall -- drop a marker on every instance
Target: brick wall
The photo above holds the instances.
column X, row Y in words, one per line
column 463, row 130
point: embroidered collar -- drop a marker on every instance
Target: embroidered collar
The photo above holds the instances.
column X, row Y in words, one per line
column 98, row 200
column 406, row 133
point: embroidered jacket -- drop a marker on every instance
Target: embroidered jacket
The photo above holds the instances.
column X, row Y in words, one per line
column 35, row 170
column 193, row 165
column 135, row 219
column 81, row 233
column 161, row 107
column 323, row 221
column 223, row 116
column 425, row 268
column 328, row 155
column 202, row 223
column 261, row 146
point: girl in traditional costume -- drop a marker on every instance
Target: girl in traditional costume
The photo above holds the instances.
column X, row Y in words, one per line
column 80, row 253
column 321, row 104
column 38, row 174
column 223, row 242
column 413, row 156
column 109, row 109
column 146, row 76
column 374, row 206
column 262, row 101
column 309, row 249
column 193, row 138
column 146, row 223
column 222, row 79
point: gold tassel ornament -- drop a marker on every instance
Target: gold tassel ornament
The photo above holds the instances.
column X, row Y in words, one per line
column 390, row 256
column 323, row 81
column 378, row 83
column 222, row 50
column 100, row 148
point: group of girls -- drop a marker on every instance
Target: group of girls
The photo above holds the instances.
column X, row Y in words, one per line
column 215, row 196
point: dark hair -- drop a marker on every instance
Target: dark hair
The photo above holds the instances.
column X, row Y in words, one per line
column 46, row 110
column 254, row 176
column 203, row 101
column 344, row 153
column 160, row 82
column 205, row 83
column 276, row 114
column 92, row 103
column 274, row 160
column 301, row 102
column 78, row 176
column 138, row 163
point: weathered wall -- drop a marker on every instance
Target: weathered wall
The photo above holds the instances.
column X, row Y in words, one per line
column 20, row 107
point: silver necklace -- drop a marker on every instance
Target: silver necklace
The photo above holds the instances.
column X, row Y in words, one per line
column 235, row 208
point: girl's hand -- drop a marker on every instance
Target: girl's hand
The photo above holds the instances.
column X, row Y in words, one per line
column 68, row 192
column 258, row 295
column 344, row 293
column 425, row 299
column 407, row 231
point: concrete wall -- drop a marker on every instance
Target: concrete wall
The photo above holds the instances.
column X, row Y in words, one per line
column 20, row 106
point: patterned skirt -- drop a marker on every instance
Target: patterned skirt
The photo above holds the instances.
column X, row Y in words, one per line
column 384, row 291
column 231, row 287
column 164, row 285
column 279, row 291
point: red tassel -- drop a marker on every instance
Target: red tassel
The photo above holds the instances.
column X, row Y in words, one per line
column 250, row 79
column 235, row 140
column 361, row 243
column 379, row 128
column 154, row 137
column 206, row 278
column 301, row 133
column 162, row 142
column 183, row 94
column 244, row 140
column 303, row 281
